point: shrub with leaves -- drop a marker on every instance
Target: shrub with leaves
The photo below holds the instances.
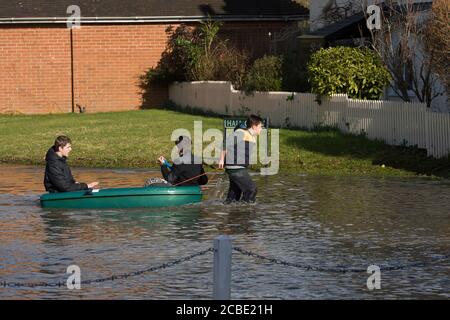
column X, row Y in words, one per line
column 181, row 53
column 198, row 54
column 357, row 72
column 233, row 65
column 265, row 75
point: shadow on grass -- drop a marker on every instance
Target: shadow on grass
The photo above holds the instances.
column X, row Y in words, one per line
column 330, row 141
column 334, row 143
column 170, row 105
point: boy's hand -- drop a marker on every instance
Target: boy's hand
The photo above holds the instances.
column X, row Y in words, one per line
column 92, row 185
column 222, row 160
column 161, row 160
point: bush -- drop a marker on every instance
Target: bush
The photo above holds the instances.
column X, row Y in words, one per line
column 357, row 72
column 265, row 75
column 295, row 73
column 233, row 65
column 197, row 54
column 176, row 62
column 221, row 62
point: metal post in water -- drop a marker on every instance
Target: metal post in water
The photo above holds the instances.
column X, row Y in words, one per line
column 222, row 268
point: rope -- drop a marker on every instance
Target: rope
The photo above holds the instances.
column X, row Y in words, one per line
column 191, row 179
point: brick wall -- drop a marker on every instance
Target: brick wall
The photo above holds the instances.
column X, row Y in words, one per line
column 108, row 61
column 34, row 70
column 35, row 64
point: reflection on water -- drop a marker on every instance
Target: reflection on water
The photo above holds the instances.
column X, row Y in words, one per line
column 319, row 221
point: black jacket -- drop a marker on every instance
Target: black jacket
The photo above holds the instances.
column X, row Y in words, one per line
column 182, row 172
column 58, row 177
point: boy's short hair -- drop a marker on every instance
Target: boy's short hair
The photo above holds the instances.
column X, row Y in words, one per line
column 253, row 120
column 61, row 141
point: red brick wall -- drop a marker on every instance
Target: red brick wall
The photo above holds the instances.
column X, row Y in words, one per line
column 35, row 64
column 34, row 70
column 108, row 62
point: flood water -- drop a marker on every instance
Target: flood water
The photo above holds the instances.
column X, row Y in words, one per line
column 344, row 222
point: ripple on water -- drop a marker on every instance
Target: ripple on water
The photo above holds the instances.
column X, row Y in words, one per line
column 317, row 221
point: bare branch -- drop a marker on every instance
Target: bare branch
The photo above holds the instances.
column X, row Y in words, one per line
column 400, row 45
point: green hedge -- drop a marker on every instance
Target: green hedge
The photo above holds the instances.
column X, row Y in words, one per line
column 265, row 75
column 358, row 72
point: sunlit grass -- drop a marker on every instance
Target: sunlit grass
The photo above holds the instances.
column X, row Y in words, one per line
column 135, row 139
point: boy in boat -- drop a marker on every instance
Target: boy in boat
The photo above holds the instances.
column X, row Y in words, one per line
column 242, row 187
column 187, row 169
column 58, row 177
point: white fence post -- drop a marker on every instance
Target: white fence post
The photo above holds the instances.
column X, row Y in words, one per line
column 222, row 268
column 391, row 121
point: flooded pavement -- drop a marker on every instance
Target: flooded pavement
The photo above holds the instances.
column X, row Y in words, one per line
column 326, row 222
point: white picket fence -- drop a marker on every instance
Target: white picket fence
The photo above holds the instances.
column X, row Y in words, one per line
column 396, row 123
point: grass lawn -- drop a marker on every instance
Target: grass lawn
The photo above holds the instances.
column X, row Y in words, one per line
column 135, row 139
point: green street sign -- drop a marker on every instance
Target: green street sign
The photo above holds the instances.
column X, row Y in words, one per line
column 231, row 123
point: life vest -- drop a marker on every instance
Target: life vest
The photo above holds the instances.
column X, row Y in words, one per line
column 241, row 152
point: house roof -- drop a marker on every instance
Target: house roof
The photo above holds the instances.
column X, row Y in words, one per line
column 336, row 29
column 350, row 26
column 16, row 11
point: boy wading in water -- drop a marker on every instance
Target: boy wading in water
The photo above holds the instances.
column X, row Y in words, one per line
column 236, row 159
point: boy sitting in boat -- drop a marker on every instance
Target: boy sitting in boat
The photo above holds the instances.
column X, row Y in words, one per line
column 58, row 177
column 187, row 170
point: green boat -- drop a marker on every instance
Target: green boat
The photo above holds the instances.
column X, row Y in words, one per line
column 154, row 196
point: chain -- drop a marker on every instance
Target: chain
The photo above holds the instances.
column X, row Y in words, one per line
column 111, row 278
column 333, row 270
column 201, row 253
column 5, row 284
column 151, row 269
